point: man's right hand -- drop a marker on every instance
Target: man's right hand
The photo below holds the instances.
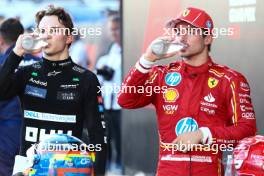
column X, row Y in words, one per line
column 150, row 56
column 19, row 50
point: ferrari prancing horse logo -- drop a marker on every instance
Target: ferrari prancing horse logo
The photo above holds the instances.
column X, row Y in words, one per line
column 185, row 12
column 212, row 82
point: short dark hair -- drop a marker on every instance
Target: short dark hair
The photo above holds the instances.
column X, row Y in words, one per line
column 204, row 35
column 63, row 17
column 209, row 47
column 10, row 30
column 115, row 18
column 110, row 12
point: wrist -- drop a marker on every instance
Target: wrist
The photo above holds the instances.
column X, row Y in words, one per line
column 144, row 65
column 18, row 52
column 151, row 58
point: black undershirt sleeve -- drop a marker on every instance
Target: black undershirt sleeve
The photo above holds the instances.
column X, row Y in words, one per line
column 11, row 81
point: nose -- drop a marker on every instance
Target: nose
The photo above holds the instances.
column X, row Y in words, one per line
column 46, row 35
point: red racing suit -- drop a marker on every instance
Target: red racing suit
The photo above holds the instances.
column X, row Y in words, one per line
column 210, row 97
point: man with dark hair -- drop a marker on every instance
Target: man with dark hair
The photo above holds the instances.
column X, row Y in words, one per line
column 10, row 110
column 11, row 29
column 205, row 108
column 63, row 17
column 57, row 95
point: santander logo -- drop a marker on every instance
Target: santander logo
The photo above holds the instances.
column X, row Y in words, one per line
column 209, row 98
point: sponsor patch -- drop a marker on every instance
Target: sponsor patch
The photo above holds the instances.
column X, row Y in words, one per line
column 194, row 158
column 244, row 95
column 248, row 115
column 69, row 86
column 209, row 104
column 244, row 86
column 53, row 73
column 100, row 99
column 38, row 82
column 78, row 69
column 170, row 95
column 185, row 12
column 103, row 124
column 36, row 65
column 75, row 79
column 246, row 108
column 65, row 63
column 212, row 82
column 173, row 78
column 35, row 91
column 187, row 124
column 208, row 111
column 170, row 109
column 244, row 101
column 32, row 133
column 101, row 108
column 68, row 96
column 34, row 74
column 208, row 24
column 24, row 63
column 209, row 98
column 49, row 117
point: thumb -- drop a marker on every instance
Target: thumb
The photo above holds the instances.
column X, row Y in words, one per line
column 175, row 141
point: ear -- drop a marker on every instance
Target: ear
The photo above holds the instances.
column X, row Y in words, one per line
column 2, row 43
column 208, row 39
column 1, row 40
column 69, row 39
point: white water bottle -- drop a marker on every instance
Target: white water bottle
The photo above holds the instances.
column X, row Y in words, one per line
column 161, row 47
column 31, row 43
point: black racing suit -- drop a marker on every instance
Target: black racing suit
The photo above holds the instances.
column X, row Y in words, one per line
column 56, row 97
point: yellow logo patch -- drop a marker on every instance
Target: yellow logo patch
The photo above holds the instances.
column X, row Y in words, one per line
column 185, row 12
column 212, row 82
column 171, row 95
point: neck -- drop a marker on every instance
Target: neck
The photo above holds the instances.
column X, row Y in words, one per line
column 58, row 56
column 197, row 60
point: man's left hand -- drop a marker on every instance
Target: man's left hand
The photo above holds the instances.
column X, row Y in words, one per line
column 187, row 139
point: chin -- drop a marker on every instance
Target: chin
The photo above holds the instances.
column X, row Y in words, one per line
column 48, row 53
column 184, row 54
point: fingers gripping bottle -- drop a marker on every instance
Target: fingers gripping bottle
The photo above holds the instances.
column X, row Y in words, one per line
column 162, row 47
column 31, row 43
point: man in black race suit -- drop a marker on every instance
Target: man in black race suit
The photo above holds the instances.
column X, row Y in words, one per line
column 57, row 96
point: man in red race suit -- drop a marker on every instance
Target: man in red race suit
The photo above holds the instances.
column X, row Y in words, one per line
column 203, row 108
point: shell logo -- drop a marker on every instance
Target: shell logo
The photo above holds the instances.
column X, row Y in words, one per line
column 171, row 95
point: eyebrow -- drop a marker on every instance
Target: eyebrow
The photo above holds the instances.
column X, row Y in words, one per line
column 54, row 27
column 57, row 27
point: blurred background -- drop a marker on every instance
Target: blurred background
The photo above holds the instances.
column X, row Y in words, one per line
column 85, row 14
